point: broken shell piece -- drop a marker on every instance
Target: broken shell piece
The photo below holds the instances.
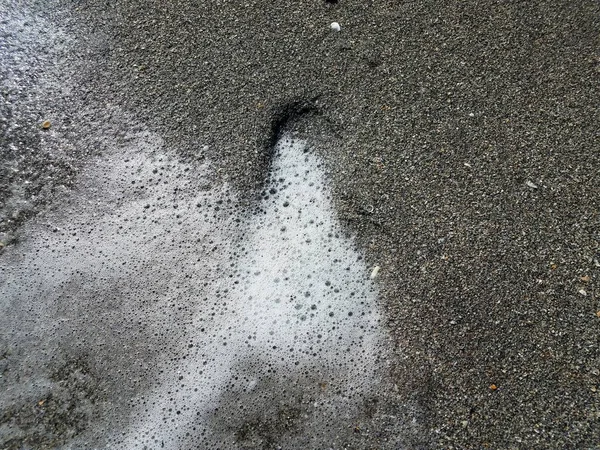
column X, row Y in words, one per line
column 335, row 26
column 374, row 272
column 531, row 184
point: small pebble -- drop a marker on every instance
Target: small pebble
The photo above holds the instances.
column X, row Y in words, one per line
column 531, row 184
column 374, row 272
column 335, row 26
column 46, row 124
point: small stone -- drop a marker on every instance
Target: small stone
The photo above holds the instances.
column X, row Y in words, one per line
column 335, row 26
column 582, row 292
column 46, row 124
column 531, row 184
column 585, row 278
column 374, row 272
column 493, row 387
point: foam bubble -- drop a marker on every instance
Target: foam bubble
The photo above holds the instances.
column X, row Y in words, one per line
column 301, row 320
column 162, row 308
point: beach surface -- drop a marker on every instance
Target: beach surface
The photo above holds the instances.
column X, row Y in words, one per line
column 230, row 224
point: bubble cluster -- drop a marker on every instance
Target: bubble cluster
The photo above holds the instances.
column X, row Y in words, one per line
column 293, row 324
column 201, row 321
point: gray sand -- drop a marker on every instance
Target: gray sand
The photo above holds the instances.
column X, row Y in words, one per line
column 461, row 144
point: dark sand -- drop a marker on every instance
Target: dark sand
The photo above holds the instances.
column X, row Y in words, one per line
column 462, row 141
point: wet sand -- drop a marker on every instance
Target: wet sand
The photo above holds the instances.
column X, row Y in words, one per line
column 460, row 141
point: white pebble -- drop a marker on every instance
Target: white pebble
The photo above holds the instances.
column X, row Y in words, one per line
column 374, row 272
column 335, row 26
column 531, row 185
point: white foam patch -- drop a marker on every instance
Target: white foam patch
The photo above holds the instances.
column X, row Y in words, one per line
column 168, row 317
column 298, row 312
column 99, row 290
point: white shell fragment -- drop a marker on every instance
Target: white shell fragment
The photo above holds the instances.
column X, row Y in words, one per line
column 335, row 26
column 374, row 272
column 531, row 184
